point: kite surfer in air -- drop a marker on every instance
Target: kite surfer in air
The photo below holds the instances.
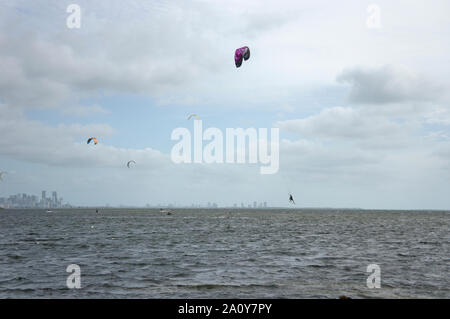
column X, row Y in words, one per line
column 291, row 199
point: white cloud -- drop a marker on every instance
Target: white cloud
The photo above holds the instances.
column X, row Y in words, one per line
column 440, row 115
column 342, row 122
column 387, row 84
column 386, row 146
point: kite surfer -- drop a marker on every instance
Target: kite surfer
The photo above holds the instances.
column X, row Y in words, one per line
column 291, row 199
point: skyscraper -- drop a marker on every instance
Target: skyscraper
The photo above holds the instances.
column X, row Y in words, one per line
column 43, row 196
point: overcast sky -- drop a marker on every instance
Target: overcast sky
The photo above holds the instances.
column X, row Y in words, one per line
column 363, row 113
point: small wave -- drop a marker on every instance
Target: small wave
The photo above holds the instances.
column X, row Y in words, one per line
column 221, row 286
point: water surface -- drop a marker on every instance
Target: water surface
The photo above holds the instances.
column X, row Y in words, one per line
column 224, row 253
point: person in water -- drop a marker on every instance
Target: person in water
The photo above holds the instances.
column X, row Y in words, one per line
column 291, row 199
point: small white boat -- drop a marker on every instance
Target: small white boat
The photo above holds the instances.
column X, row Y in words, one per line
column 49, row 211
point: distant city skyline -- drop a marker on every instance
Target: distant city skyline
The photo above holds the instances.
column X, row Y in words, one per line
column 23, row 200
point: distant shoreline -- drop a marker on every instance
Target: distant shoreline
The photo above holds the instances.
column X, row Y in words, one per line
column 230, row 209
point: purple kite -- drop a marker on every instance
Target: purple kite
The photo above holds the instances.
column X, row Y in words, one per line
column 241, row 53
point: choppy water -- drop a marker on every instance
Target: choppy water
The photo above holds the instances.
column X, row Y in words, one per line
column 217, row 254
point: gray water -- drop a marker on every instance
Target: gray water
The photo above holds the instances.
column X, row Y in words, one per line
column 224, row 254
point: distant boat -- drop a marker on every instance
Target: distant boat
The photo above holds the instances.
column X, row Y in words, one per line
column 49, row 211
column 165, row 211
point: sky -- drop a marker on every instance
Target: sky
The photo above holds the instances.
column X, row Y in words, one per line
column 363, row 111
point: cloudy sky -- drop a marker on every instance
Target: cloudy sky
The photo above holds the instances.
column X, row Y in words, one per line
column 363, row 113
